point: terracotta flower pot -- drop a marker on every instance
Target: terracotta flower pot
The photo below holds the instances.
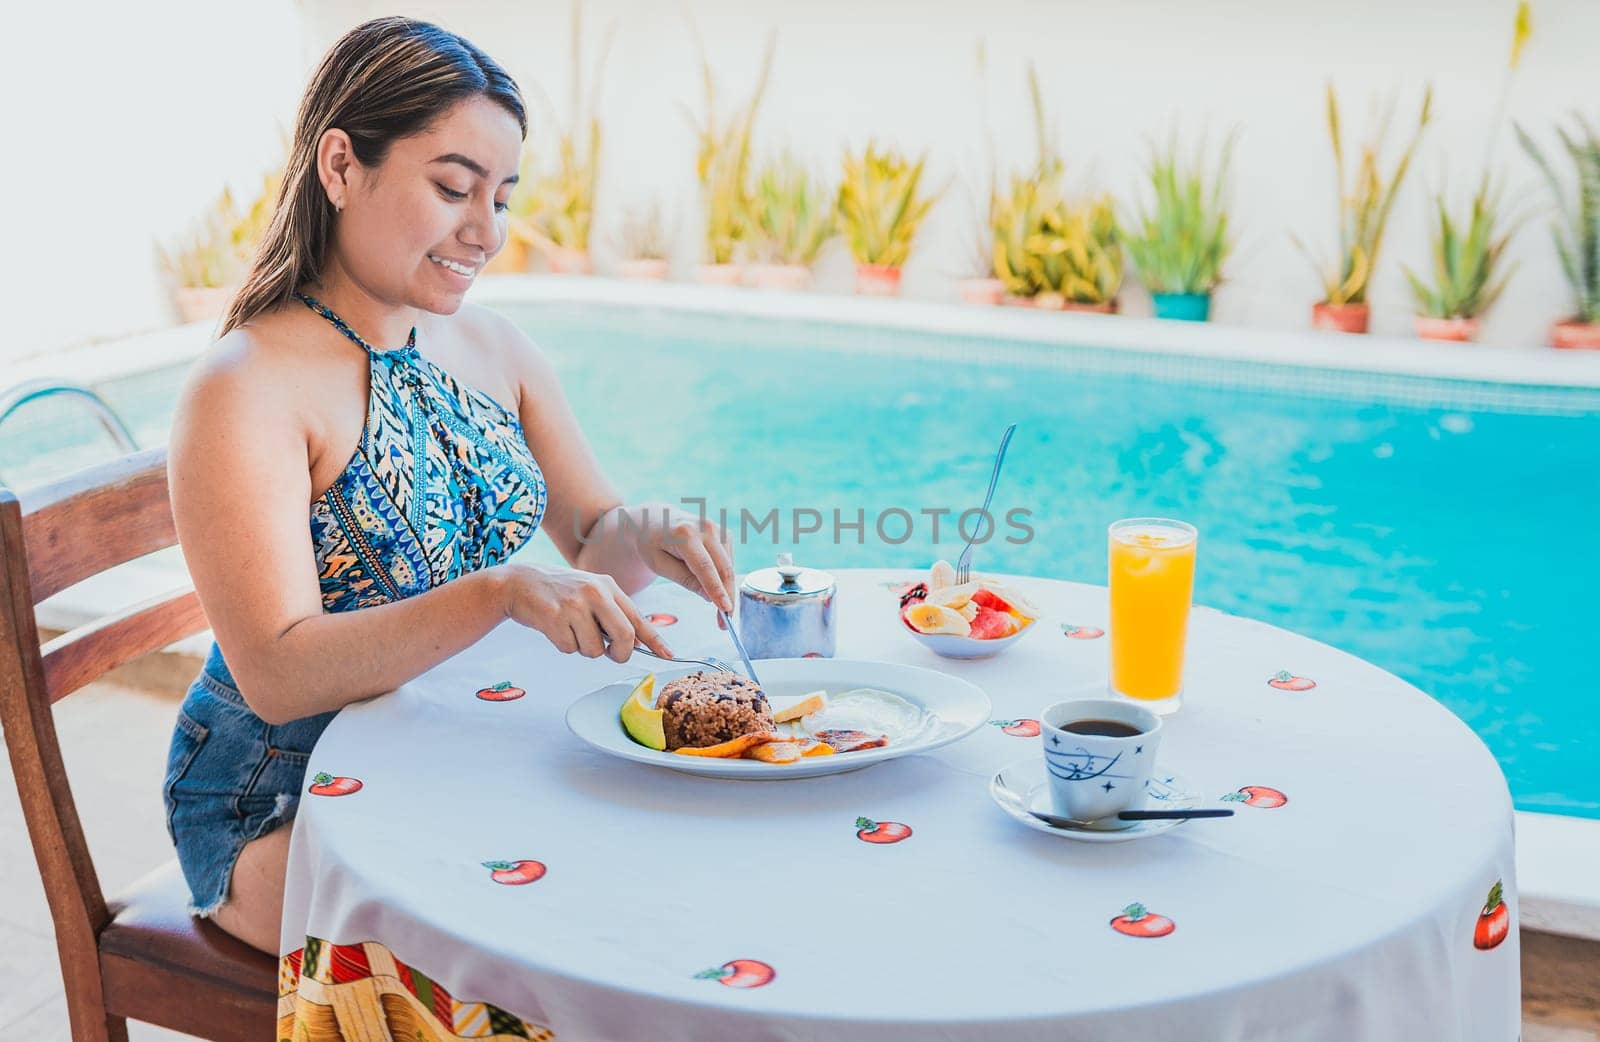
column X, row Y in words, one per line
column 651, row 268
column 1456, row 329
column 1340, row 318
column 1573, row 334
column 203, row 303
column 790, row 277
column 877, row 280
column 986, row 292
column 1048, row 301
column 566, row 261
column 719, row 274
column 511, row 260
column 1105, row 307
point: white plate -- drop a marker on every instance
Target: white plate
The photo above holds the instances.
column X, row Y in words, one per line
column 1022, row 786
column 955, row 709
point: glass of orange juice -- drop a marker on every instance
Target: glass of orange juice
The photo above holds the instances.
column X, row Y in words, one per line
column 1152, row 585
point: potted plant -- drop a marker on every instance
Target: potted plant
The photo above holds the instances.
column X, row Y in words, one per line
column 722, row 166
column 1181, row 240
column 981, row 284
column 565, row 210
column 881, row 207
column 1048, row 252
column 1466, row 279
column 1057, row 255
column 794, row 219
column 1078, row 250
column 1576, row 231
column 565, row 196
column 1365, row 200
column 1017, row 214
column 645, row 244
column 206, row 267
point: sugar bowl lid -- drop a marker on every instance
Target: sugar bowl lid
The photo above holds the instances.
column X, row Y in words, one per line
column 788, row 580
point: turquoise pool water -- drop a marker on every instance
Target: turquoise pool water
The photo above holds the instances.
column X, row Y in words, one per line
column 1437, row 529
column 1446, row 544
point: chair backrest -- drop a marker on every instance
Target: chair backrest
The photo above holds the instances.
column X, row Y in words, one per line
column 50, row 538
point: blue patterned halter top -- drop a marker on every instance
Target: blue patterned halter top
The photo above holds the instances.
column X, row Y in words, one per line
column 442, row 484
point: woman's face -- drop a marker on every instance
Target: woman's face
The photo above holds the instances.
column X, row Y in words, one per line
column 439, row 196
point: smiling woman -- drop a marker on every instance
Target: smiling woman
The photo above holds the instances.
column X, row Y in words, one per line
column 443, row 129
column 426, row 441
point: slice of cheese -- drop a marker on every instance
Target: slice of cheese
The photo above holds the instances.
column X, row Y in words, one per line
column 810, row 704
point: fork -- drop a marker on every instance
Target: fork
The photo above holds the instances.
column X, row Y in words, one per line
column 715, row 663
column 964, row 562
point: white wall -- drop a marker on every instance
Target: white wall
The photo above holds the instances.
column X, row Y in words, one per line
column 123, row 120
column 152, row 130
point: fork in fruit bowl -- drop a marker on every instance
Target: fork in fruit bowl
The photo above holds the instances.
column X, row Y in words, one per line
column 964, row 562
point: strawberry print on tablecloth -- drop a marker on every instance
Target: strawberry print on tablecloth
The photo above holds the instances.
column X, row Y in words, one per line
column 1257, row 796
column 501, row 691
column 1494, row 921
column 740, row 973
column 1138, row 921
column 869, row 831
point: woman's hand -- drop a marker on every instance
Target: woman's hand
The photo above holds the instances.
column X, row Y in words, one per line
column 691, row 551
column 579, row 611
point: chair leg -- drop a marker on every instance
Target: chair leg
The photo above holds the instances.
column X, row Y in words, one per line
column 96, row 1026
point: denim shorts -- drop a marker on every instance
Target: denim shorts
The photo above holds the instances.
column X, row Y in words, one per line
column 231, row 778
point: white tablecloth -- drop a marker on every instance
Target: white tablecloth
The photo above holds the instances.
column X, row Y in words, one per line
column 1348, row 913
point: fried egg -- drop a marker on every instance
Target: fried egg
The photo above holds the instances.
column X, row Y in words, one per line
column 867, row 709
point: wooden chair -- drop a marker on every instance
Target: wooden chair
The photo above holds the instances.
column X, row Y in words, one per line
column 141, row 956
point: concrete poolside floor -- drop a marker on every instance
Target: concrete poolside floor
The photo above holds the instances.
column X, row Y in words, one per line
column 114, row 738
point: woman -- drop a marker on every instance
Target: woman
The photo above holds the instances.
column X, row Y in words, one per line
column 428, row 440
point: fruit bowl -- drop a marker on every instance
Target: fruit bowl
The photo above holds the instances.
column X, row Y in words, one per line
column 952, row 645
column 977, row 619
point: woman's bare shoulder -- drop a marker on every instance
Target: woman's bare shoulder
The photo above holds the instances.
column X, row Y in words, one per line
column 513, row 350
column 267, row 368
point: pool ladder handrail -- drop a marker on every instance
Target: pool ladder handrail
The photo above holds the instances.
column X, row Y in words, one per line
column 18, row 395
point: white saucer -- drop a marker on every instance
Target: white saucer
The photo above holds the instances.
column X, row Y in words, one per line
column 1022, row 786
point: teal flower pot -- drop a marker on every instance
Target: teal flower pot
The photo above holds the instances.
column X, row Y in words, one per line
column 1186, row 307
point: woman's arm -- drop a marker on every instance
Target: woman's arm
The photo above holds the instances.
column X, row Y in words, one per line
column 241, row 488
column 584, row 516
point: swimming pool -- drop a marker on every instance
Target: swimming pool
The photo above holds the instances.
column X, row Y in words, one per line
column 1446, row 543
column 1437, row 528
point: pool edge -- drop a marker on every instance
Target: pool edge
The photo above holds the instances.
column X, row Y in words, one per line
column 1557, row 893
column 1302, row 348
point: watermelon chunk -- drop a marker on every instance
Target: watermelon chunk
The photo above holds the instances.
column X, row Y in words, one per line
column 990, row 599
column 990, row 624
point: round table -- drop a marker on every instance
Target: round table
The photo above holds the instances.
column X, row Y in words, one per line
column 494, row 877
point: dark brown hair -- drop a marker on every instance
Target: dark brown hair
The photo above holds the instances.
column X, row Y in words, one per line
column 383, row 80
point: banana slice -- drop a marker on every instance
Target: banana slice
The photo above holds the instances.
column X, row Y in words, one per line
column 1012, row 596
column 968, row 611
column 934, row 618
column 952, row 596
column 942, row 574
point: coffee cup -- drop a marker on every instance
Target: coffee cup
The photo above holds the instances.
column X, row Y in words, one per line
column 1098, row 756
